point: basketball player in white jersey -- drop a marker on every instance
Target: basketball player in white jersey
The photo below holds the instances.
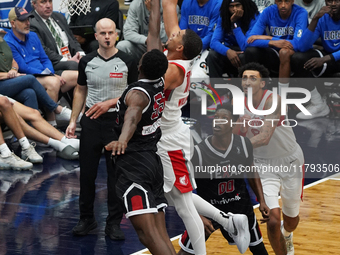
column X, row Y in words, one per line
column 175, row 146
column 274, row 146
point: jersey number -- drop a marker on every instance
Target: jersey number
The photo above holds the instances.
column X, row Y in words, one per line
column 188, row 82
column 255, row 131
column 226, row 187
column 158, row 106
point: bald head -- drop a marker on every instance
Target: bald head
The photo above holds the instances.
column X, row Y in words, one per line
column 106, row 34
column 105, row 23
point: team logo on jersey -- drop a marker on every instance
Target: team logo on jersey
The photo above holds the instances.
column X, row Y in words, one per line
column 115, row 68
column 238, row 150
column 184, row 180
column 299, row 33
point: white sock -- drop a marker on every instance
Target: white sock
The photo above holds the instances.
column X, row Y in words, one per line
column 4, row 150
column 24, row 143
column 71, row 141
column 282, row 85
column 208, row 210
column 192, row 221
column 315, row 97
column 285, row 232
column 55, row 144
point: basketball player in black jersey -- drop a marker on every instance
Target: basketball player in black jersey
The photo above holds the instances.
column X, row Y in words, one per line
column 138, row 167
column 227, row 189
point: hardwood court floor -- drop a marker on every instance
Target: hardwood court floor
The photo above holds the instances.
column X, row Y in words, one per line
column 317, row 233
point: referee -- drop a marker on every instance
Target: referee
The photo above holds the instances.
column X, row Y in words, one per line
column 103, row 76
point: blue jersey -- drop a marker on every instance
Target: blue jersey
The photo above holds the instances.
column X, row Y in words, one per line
column 290, row 29
column 201, row 19
column 329, row 30
column 221, row 39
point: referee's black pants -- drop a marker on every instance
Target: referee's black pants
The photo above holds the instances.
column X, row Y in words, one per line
column 95, row 134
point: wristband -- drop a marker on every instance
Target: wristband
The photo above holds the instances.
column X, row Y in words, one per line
column 235, row 25
column 14, row 68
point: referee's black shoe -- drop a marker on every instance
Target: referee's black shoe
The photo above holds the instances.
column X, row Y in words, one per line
column 114, row 232
column 84, row 226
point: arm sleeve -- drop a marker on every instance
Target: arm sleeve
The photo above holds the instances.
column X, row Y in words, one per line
column 81, row 72
column 336, row 55
column 241, row 38
column 259, row 28
column 212, row 25
column 45, row 61
column 23, row 67
column 131, row 26
column 217, row 39
column 307, row 39
column 300, row 27
column 183, row 23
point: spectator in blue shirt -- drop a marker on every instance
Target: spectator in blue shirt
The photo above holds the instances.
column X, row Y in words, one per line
column 200, row 16
column 326, row 62
column 286, row 22
column 31, row 58
column 237, row 17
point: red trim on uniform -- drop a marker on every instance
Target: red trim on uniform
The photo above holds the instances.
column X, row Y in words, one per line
column 137, row 203
column 180, row 66
column 303, row 180
column 181, row 171
column 167, row 93
column 245, row 100
column 184, row 237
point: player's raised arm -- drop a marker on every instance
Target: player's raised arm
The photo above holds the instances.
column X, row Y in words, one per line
column 154, row 40
column 170, row 17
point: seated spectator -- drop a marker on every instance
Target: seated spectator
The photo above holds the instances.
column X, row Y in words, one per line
column 25, row 88
column 136, row 29
column 325, row 23
column 311, row 6
column 57, row 39
column 286, row 22
column 230, row 37
column 43, row 132
column 99, row 9
column 7, row 158
column 200, row 16
column 262, row 4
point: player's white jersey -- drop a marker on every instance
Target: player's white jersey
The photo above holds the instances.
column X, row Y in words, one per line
column 283, row 141
column 176, row 98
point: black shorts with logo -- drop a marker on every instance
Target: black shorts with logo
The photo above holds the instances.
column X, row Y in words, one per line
column 140, row 182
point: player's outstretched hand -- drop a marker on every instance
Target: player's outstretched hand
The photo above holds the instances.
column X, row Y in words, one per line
column 264, row 209
column 117, row 147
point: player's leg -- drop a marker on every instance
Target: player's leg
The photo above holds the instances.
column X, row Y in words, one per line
column 186, row 210
column 149, row 235
column 291, row 193
column 160, row 223
column 271, row 187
